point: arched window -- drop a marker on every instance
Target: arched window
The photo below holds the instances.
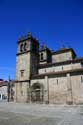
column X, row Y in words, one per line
column 21, row 48
column 82, row 79
column 22, row 73
column 25, row 47
column 41, row 57
column 62, row 67
column 57, row 81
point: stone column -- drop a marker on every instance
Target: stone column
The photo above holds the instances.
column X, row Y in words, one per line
column 46, row 90
column 69, row 90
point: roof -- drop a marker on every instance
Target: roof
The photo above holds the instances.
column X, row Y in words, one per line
column 3, row 83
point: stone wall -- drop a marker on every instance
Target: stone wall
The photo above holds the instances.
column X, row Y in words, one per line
column 22, row 92
column 58, row 90
column 55, row 89
column 45, row 85
column 77, row 88
column 23, row 63
column 63, row 89
column 59, row 68
column 61, row 57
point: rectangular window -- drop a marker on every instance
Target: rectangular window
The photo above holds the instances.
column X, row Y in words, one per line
column 57, row 81
column 81, row 64
column 22, row 73
column 62, row 67
column 81, row 78
column 41, row 57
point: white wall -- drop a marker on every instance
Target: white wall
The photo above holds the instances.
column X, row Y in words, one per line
column 3, row 91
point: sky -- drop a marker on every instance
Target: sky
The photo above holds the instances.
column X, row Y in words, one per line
column 54, row 22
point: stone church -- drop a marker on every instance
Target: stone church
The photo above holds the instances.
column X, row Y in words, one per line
column 45, row 76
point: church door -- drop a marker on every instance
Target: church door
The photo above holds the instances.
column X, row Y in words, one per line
column 37, row 93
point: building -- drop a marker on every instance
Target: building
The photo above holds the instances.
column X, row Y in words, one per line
column 7, row 90
column 44, row 76
column 3, row 90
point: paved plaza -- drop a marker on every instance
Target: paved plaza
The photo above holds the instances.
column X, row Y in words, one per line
column 40, row 114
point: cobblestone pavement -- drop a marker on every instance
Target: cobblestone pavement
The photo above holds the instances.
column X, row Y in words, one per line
column 40, row 114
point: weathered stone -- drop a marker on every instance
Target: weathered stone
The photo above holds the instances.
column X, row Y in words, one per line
column 59, row 81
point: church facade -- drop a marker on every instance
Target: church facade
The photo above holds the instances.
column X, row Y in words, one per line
column 44, row 76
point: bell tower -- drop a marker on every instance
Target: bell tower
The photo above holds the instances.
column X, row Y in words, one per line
column 26, row 65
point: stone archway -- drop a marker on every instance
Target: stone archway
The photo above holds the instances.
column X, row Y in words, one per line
column 37, row 92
